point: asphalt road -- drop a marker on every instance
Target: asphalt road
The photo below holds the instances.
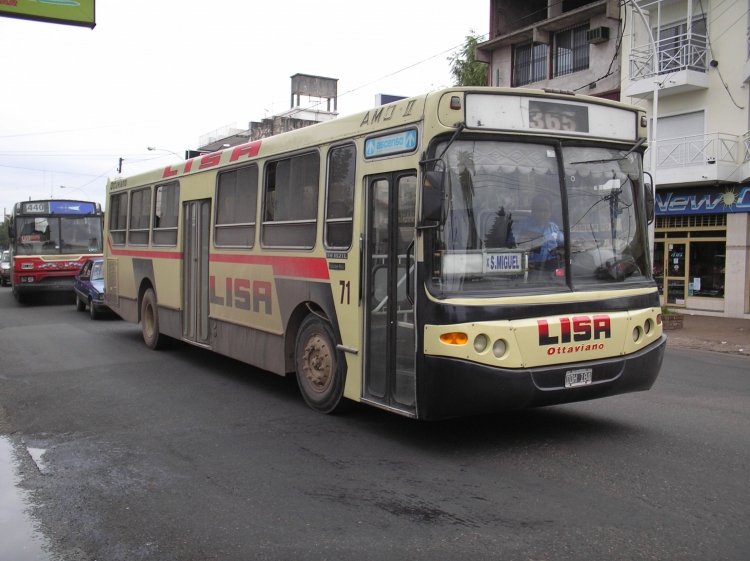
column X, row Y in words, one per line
column 183, row 455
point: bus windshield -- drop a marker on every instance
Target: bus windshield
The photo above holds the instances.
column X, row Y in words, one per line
column 522, row 216
column 52, row 235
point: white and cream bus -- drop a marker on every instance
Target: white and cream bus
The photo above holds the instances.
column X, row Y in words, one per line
column 466, row 251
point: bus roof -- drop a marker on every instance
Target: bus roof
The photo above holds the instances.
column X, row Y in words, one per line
column 399, row 113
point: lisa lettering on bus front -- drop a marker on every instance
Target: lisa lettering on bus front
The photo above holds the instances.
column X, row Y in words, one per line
column 503, row 262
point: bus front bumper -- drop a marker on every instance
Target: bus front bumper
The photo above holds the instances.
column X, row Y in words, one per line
column 453, row 388
column 47, row 284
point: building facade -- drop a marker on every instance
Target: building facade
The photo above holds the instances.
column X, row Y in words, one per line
column 686, row 61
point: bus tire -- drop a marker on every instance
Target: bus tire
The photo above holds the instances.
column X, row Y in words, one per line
column 319, row 366
column 150, row 321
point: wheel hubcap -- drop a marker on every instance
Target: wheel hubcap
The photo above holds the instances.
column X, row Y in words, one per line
column 318, row 364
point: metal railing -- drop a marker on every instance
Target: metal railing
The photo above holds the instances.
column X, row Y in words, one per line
column 702, row 149
column 679, row 52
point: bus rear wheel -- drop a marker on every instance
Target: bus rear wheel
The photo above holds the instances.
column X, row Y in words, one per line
column 319, row 368
column 150, row 321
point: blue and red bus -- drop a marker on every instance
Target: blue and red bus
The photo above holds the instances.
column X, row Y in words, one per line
column 50, row 240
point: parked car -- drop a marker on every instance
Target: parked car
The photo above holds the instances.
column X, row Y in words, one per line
column 89, row 288
column 5, row 268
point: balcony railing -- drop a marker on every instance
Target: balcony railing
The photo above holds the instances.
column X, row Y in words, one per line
column 676, row 53
column 715, row 148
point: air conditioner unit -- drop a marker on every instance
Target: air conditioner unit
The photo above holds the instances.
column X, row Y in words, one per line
column 597, row 35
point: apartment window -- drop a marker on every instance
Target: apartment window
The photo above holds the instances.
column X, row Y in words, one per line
column 529, row 63
column 166, row 210
column 571, row 50
column 235, row 208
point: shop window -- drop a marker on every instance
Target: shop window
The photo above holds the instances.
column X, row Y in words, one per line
column 706, row 273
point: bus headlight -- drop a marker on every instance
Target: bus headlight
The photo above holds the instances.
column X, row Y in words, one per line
column 481, row 342
column 500, row 348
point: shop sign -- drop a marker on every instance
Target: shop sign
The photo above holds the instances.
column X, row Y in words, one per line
column 703, row 200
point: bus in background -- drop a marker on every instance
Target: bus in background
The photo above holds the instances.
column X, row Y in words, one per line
column 50, row 240
column 467, row 251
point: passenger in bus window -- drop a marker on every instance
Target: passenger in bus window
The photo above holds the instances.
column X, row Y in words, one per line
column 542, row 234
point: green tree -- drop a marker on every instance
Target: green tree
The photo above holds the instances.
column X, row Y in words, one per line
column 466, row 70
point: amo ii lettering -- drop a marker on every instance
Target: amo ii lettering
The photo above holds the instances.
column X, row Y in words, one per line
column 243, row 294
column 576, row 328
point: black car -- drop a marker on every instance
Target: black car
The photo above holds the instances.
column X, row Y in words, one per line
column 89, row 287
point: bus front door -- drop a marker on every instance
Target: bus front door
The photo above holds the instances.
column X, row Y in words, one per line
column 389, row 265
column 197, row 219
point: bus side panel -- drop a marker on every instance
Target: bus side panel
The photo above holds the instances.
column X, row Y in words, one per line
column 275, row 351
column 258, row 348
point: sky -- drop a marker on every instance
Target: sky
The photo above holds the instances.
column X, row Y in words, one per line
column 73, row 100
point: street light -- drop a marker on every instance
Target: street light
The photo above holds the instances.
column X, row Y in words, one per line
column 154, row 148
column 73, row 189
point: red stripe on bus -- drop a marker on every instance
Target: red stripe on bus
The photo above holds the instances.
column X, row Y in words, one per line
column 305, row 267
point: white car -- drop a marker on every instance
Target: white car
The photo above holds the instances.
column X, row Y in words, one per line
column 5, row 268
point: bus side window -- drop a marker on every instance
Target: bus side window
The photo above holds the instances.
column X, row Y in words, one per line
column 118, row 216
column 236, row 200
column 291, row 195
column 166, row 211
column 140, row 216
column 340, row 197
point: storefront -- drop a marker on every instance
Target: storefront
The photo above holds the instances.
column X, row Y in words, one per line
column 701, row 249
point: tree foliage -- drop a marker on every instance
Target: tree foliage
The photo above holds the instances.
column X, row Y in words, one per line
column 465, row 69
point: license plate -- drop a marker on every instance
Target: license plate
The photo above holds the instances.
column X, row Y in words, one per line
column 580, row 377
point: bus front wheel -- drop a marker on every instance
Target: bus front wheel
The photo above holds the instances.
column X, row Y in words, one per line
column 320, row 371
column 150, row 321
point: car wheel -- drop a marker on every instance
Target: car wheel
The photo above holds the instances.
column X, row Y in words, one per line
column 80, row 304
column 93, row 313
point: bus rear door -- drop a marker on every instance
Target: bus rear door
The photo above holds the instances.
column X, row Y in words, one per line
column 195, row 271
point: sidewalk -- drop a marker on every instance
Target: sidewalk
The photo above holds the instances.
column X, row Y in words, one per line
column 709, row 333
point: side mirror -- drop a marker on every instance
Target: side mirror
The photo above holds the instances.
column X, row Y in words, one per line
column 433, row 193
column 648, row 190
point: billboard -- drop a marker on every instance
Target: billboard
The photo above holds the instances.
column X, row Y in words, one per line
column 68, row 12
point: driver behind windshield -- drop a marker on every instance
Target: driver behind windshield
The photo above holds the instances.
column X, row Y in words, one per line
column 543, row 234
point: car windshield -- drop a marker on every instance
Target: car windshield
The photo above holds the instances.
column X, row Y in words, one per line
column 6, row 257
column 524, row 216
column 51, row 235
column 96, row 271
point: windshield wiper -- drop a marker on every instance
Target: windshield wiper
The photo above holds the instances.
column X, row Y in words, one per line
column 634, row 147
